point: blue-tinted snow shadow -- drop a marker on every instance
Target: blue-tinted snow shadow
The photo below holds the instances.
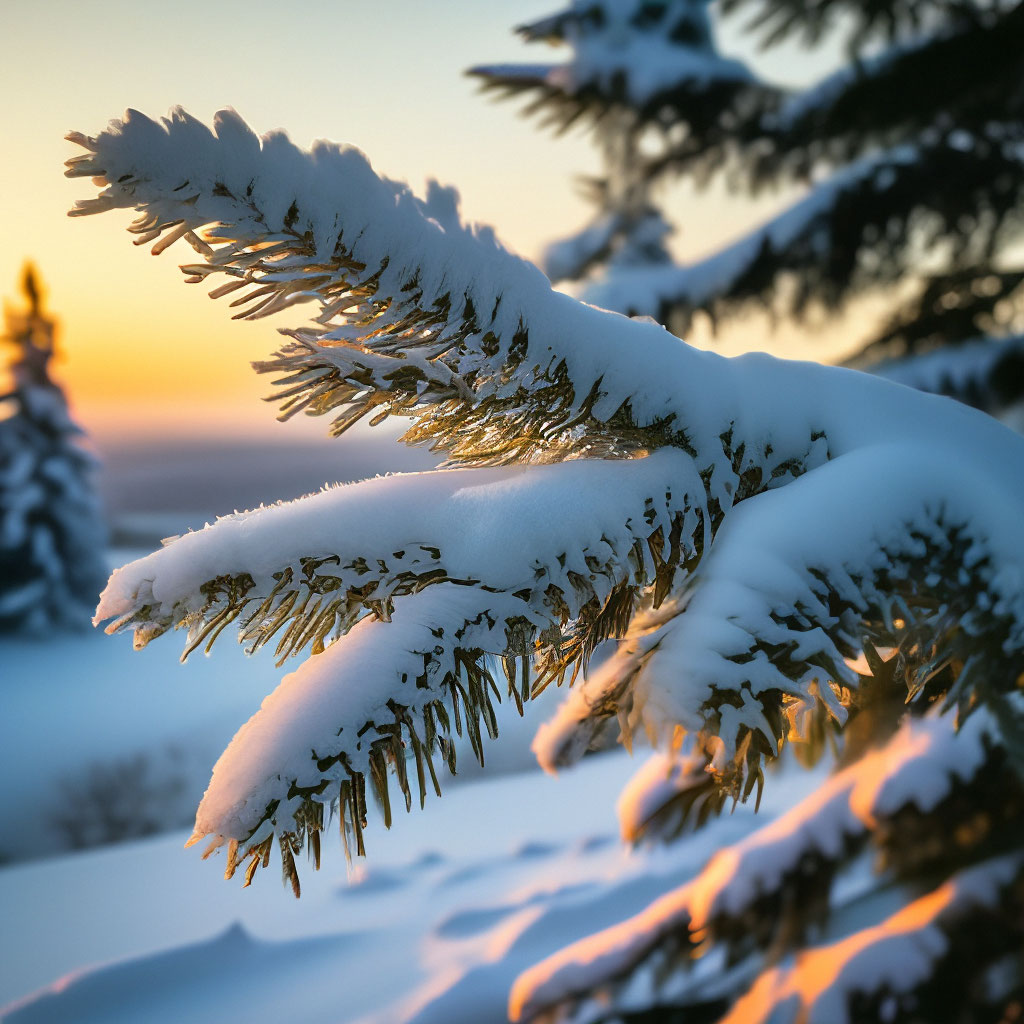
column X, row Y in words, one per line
column 230, row 976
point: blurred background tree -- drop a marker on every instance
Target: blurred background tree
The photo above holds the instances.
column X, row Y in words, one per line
column 912, row 156
column 52, row 536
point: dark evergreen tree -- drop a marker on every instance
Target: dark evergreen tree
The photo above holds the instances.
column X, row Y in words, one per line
column 52, row 536
column 913, row 156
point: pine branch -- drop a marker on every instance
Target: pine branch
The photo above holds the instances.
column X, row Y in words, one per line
column 573, row 257
column 642, row 64
column 861, row 228
column 898, row 958
column 386, row 700
column 306, row 571
column 762, row 643
column 708, row 95
column 672, row 794
column 413, row 317
column 925, row 84
column 951, row 308
column 779, row 20
column 987, row 373
column 607, row 696
column 758, row 897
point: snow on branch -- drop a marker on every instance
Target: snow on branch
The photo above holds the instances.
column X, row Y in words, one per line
column 747, row 525
column 916, row 83
column 919, row 768
column 981, row 372
column 562, row 537
column 571, row 257
column 893, row 958
column 672, row 792
column 644, row 57
column 350, row 715
column 648, row 74
column 807, row 21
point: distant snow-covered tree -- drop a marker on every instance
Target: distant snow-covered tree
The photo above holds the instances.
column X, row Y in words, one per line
column 52, row 536
column 911, row 156
column 790, row 556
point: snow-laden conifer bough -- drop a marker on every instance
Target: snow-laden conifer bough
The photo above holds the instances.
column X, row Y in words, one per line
column 747, row 527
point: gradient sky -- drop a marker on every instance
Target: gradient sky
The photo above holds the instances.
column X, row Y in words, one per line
column 143, row 352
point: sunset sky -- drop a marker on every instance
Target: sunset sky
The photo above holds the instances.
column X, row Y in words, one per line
column 141, row 351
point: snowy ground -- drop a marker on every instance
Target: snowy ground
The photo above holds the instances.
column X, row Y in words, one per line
column 92, row 729
column 433, row 927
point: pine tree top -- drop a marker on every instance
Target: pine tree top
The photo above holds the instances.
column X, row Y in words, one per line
column 31, row 333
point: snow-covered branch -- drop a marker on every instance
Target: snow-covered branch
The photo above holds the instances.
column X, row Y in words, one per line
column 981, row 372
column 416, row 315
column 647, row 58
column 921, row 83
column 886, row 962
column 759, row 523
column 351, row 715
column 919, row 769
column 861, row 226
column 671, row 793
column 561, row 537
